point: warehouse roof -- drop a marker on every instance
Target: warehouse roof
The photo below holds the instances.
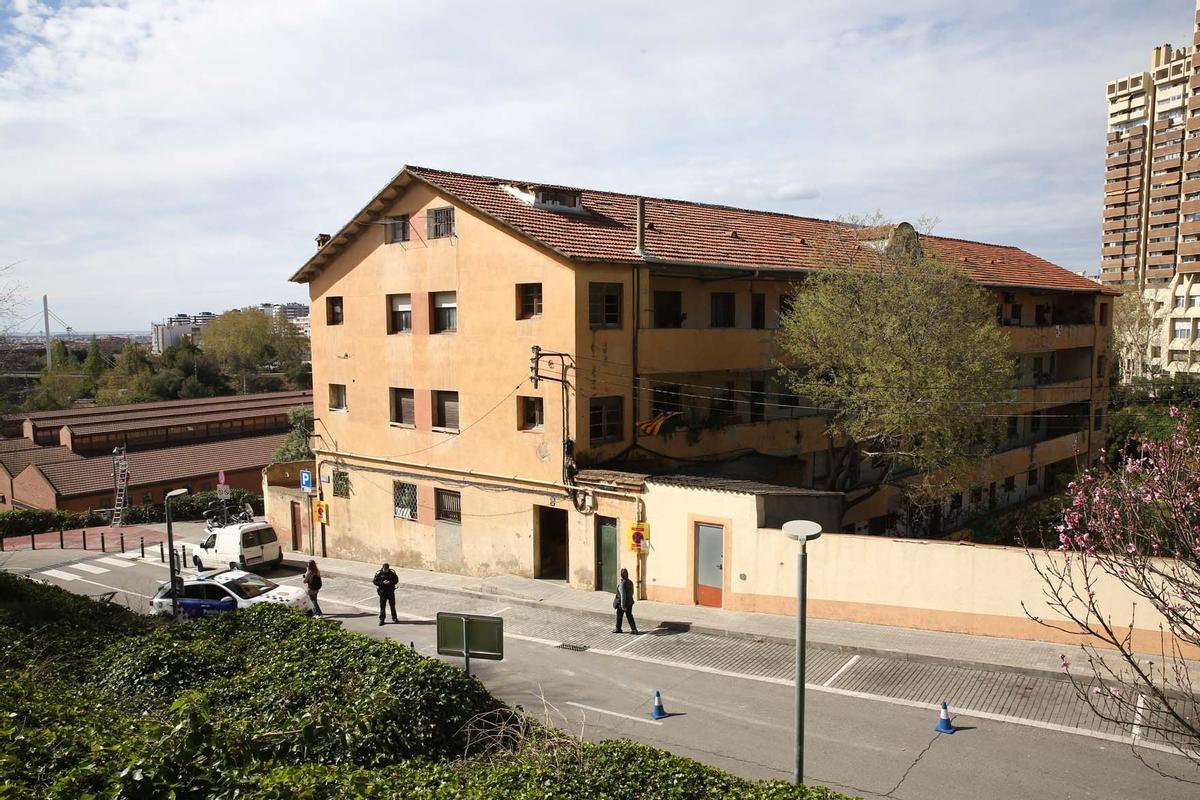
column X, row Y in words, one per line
column 94, row 475
column 43, row 418
column 198, row 418
column 16, row 460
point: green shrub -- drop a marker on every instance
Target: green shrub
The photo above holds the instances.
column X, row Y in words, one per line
column 23, row 522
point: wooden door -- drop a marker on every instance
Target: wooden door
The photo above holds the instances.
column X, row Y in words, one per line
column 297, row 543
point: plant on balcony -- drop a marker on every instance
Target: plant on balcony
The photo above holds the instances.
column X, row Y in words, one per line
column 906, row 351
column 1137, row 525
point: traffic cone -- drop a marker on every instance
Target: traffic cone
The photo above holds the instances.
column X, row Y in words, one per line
column 944, row 725
column 657, row 712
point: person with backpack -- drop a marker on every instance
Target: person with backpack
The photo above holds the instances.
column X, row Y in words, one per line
column 623, row 603
column 312, row 579
column 385, row 584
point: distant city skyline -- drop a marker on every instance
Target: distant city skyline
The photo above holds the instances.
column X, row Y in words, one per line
column 127, row 188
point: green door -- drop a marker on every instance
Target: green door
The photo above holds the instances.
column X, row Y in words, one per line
column 606, row 554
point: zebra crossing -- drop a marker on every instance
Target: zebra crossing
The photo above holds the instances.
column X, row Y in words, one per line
column 100, row 565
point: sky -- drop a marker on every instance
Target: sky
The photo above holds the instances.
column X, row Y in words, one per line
column 160, row 157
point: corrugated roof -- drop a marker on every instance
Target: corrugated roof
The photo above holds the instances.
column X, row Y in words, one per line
column 134, row 409
column 16, row 460
column 612, row 477
column 719, row 484
column 689, row 233
column 93, row 475
column 216, row 415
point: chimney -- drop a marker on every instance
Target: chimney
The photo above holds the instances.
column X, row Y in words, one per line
column 322, row 240
column 640, row 249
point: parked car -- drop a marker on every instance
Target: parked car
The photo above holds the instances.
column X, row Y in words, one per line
column 240, row 546
column 227, row 590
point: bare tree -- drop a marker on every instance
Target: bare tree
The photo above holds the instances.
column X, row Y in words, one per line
column 1135, row 330
column 1136, row 527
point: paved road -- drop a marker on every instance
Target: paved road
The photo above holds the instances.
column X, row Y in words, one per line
column 870, row 719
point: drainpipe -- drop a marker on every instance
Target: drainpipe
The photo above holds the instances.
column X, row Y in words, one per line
column 638, row 250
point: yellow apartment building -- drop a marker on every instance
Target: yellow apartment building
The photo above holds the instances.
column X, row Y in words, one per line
column 490, row 357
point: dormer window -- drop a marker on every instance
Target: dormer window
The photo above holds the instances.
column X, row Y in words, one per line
column 559, row 199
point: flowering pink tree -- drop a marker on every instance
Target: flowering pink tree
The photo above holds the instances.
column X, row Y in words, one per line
column 1137, row 524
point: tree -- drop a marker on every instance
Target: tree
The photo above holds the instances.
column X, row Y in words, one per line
column 1139, row 526
column 296, row 446
column 93, row 363
column 905, row 354
column 244, row 342
column 60, row 359
column 131, row 380
column 1135, row 329
column 55, row 390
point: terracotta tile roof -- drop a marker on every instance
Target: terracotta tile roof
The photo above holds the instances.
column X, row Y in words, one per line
column 16, row 460
column 19, row 443
column 683, row 232
column 166, row 406
column 94, row 475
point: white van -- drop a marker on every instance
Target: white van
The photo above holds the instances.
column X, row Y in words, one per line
column 240, row 547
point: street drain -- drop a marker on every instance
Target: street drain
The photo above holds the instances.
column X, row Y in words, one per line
column 574, row 648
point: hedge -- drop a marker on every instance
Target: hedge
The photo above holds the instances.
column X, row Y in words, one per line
column 266, row 704
column 23, row 522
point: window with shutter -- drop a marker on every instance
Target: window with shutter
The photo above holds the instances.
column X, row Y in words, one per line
column 723, row 310
column 440, row 222
column 399, row 313
column 446, row 406
column 445, row 312
column 403, row 407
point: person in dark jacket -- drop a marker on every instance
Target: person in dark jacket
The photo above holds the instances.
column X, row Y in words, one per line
column 385, row 584
column 623, row 603
column 312, row 579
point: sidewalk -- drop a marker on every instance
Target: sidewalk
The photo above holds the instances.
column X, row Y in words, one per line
column 985, row 652
column 98, row 538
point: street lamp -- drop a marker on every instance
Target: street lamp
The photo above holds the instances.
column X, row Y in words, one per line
column 802, row 531
column 171, row 549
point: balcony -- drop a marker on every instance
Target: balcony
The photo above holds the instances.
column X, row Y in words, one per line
column 703, row 349
column 1056, row 392
column 1189, row 248
column 1034, row 339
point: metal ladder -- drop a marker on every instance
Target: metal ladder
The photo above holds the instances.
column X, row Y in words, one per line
column 121, row 481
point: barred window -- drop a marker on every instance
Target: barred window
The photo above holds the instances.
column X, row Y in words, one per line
column 441, row 222
column 341, row 483
column 448, row 505
column 404, row 499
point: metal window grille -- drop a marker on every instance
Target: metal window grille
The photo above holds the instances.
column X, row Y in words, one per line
column 448, row 505
column 341, row 483
column 441, row 223
column 404, row 499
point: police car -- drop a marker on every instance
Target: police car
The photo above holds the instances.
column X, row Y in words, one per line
column 227, row 590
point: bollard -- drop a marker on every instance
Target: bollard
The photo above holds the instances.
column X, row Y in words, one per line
column 182, row 556
column 142, row 544
column 102, row 547
column 1, row 544
column 161, row 558
column 60, row 538
column 84, row 532
column 122, row 541
column 33, row 541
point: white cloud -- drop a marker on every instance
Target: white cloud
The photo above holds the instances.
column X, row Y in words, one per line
column 165, row 156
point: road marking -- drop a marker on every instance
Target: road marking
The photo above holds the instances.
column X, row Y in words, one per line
column 632, row 641
column 501, row 611
column 534, row 639
column 838, row 674
column 88, row 568
column 62, row 576
column 114, row 562
column 614, row 713
column 964, row 712
column 129, row 554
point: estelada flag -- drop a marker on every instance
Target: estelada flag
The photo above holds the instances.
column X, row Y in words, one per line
column 651, row 427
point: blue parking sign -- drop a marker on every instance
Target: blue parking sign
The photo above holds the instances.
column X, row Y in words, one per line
column 306, row 482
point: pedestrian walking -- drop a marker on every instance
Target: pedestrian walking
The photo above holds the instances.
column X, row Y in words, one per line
column 623, row 603
column 385, row 584
column 312, row 579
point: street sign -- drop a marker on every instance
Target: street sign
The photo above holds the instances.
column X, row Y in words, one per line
column 306, row 480
column 470, row 636
column 221, row 477
column 224, row 491
column 321, row 512
column 639, row 535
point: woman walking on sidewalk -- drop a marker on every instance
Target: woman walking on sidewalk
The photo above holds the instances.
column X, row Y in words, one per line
column 312, row 579
column 623, row 603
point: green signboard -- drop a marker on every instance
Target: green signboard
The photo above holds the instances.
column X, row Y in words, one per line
column 470, row 636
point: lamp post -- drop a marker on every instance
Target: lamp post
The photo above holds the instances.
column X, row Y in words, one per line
column 171, row 549
column 802, row 531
